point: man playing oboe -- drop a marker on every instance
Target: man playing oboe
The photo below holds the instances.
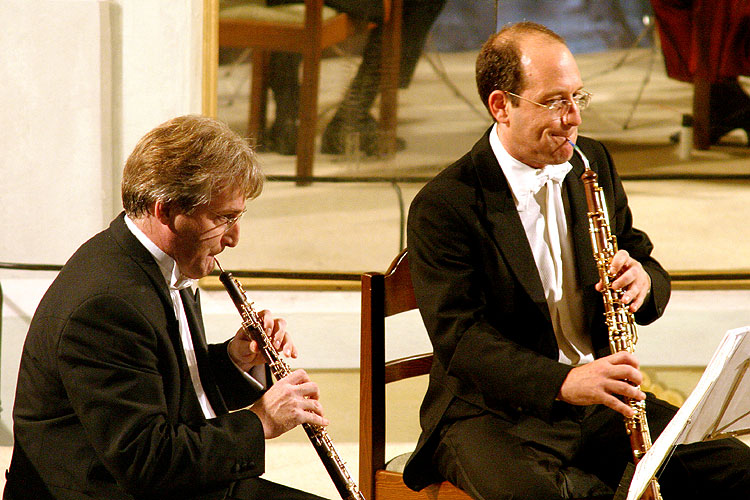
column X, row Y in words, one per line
column 118, row 395
column 525, row 399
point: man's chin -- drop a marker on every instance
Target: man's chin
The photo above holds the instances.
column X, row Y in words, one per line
column 209, row 266
column 201, row 270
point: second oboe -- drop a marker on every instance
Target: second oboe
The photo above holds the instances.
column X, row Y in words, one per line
column 253, row 327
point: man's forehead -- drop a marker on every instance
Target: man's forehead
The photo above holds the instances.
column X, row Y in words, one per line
column 551, row 62
column 230, row 198
column 543, row 49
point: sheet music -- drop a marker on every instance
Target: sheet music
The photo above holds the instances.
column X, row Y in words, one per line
column 718, row 406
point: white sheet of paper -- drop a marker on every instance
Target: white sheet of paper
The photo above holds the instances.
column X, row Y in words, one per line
column 725, row 384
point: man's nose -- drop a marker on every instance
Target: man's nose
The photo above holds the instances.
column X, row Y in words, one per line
column 232, row 236
column 572, row 116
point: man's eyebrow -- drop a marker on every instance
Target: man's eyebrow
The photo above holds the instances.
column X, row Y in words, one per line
column 559, row 94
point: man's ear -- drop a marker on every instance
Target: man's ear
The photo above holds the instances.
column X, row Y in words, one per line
column 498, row 104
column 163, row 212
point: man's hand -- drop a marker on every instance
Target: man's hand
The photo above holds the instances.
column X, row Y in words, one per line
column 291, row 401
column 631, row 277
column 246, row 353
column 602, row 381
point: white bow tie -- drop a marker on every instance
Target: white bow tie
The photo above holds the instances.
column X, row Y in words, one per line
column 182, row 282
column 555, row 173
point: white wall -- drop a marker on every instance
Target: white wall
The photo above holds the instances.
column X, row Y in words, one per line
column 56, row 120
column 80, row 82
column 161, row 43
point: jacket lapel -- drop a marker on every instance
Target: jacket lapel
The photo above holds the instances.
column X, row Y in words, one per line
column 141, row 256
column 503, row 222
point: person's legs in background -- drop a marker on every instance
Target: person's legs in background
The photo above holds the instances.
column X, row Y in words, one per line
column 353, row 114
column 723, row 28
column 729, row 107
column 284, row 83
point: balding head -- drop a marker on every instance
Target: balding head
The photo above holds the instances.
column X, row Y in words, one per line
column 499, row 63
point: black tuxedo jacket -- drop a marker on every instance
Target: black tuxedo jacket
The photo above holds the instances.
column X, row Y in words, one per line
column 105, row 407
column 481, row 297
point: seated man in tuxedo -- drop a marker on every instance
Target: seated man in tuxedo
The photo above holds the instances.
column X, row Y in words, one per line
column 525, row 400
column 119, row 396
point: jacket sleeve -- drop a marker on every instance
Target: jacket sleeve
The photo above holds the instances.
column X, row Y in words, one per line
column 119, row 368
column 236, row 390
column 473, row 312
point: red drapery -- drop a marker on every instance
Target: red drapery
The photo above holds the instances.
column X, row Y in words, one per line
column 707, row 36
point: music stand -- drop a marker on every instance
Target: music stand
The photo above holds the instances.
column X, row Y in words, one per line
column 718, row 407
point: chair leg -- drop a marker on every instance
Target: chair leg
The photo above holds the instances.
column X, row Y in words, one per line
column 701, row 79
column 701, row 113
column 258, row 97
column 390, row 73
column 308, row 115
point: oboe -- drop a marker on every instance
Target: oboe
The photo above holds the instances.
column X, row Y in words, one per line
column 253, row 327
column 619, row 319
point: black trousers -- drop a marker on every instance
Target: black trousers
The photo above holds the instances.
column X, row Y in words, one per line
column 581, row 453
column 260, row 489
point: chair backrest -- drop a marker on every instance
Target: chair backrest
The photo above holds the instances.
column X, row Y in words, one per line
column 383, row 295
column 294, row 28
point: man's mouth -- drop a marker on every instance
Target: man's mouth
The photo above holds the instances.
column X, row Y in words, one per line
column 562, row 140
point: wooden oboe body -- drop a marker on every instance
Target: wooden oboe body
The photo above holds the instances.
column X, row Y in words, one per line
column 619, row 318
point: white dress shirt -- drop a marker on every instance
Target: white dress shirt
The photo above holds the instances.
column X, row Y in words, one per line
column 175, row 282
column 538, row 197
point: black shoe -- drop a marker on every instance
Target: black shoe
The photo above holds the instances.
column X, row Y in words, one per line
column 334, row 140
column 282, row 137
column 729, row 109
column 738, row 119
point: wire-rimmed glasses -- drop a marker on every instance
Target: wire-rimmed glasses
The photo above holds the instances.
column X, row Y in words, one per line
column 581, row 98
column 228, row 222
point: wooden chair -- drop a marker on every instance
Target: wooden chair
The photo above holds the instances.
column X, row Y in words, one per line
column 251, row 24
column 384, row 295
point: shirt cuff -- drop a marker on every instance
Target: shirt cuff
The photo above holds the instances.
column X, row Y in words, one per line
column 256, row 376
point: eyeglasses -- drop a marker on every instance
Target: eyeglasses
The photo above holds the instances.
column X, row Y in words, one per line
column 228, row 222
column 582, row 99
